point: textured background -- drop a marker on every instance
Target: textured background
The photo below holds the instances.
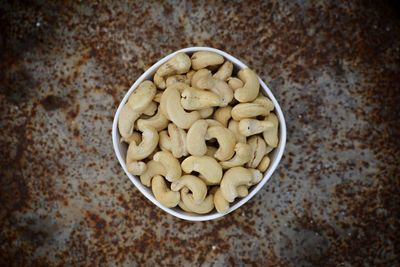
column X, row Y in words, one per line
column 333, row 66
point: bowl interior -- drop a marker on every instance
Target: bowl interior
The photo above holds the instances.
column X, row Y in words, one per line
column 275, row 155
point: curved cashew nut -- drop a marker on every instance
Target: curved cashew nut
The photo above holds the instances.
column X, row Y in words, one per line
column 153, row 168
column 242, row 156
column 177, row 78
column 233, row 178
column 189, row 75
column 134, row 137
column 234, row 127
column 202, row 59
column 251, row 86
column 142, row 96
column 136, row 167
column 235, row 83
column 223, row 115
column 257, row 176
column 170, row 163
column 195, row 185
column 258, row 149
column 193, row 99
column 203, row 79
column 208, row 167
column 138, row 101
column 204, row 207
column 248, row 110
column 264, row 164
column 225, row 71
column 178, row 140
column 195, row 138
column 249, row 127
column 226, row 140
column 163, row 194
column 264, row 101
column 206, row 112
column 126, row 121
column 151, row 109
column 171, row 101
column 271, row 135
column 145, row 148
column 221, row 204
column 158, row 121
column 178, row 64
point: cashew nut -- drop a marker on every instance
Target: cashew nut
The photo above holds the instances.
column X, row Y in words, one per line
column 126, row 121
column 177, row 78
column 195, row 138
column 251, row 86
column 178, row 64
column 170, row 163
column 257, row 176
column 195, row 185
column 142, row 96
column 178, row 140
column 134, row 137
column 225, row 71
column 171, row 102
column 151, row 109
column 153, row 168
column 264, row 164
column 226, row 140
column 242, row 156
column 136, row 167
column 193, row 99
column 223, row 115
column 208, row 167
column 233, row 178
column 145, row 148
column 269, row 149
column 271, row 135
column 258, row 149
column 221, row 204
column 248, row 110
column 204, row 207
column 242, row 190
column 203, row 79
column 206, row 112
column 158, row 121
column 202, row 59
column 137, row 103
column 264, row 101
column 235, row 83
column 234, row 127
column 163, row 194
column 249, row 127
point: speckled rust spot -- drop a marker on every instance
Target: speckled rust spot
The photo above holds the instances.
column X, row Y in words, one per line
column 52, row 102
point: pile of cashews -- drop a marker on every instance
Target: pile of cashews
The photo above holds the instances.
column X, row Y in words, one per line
column 198, row 136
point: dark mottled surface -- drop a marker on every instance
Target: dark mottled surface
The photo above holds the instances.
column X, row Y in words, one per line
column 333, row 66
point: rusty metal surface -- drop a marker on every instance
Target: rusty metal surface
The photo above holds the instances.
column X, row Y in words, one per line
column 333, row 66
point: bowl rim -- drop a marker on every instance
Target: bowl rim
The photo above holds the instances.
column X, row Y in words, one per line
column 135, row 179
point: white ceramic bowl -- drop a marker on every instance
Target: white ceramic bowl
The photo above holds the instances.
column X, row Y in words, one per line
column 275, row 155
